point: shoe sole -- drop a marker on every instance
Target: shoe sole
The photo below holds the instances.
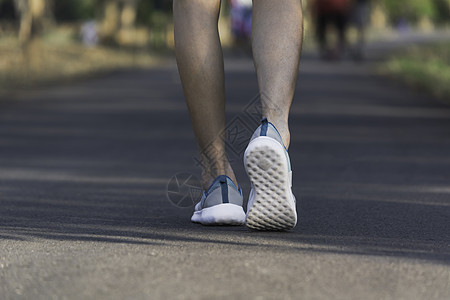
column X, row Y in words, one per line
column 221, row 214
column 273, row 204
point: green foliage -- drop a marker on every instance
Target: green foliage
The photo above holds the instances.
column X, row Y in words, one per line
column 442, row 11
column 157, row 16
column 143, row 12
column 74, row 10
column 424, row 67
column 148, row 11
column 152, row 12
column 414, row 10
column 411, row 10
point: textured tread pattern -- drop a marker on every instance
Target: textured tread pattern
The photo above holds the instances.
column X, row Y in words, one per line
column 267, row 169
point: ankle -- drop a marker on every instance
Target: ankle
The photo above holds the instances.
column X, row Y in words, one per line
column 283, row 129
column 285, row 135
column 212, row 170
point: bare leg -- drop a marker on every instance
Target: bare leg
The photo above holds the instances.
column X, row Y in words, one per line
column 321, row 32
column 276, row 40
column 200, row 63
column 342, row 24
column 359, row 55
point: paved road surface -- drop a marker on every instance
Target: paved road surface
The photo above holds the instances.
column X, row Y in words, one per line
column 84, row 172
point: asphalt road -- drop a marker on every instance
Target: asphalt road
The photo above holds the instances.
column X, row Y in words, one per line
column 85, row 171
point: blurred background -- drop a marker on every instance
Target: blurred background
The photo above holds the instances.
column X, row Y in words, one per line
column 45, row 40
column 95, row 138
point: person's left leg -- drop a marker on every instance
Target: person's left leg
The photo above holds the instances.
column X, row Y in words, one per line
column 200, row 63
column 341, row 21
column 362, row 16
column 321, row 34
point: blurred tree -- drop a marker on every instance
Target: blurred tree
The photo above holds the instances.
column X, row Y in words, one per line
column 128, row 14
column 119, row 17
column 111, row 21
column 32, row 14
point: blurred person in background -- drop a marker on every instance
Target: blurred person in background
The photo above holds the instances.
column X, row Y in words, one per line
column 335, row 13
column 89, row 34
column 360, row 18
column 241, row 20
column 277, row 31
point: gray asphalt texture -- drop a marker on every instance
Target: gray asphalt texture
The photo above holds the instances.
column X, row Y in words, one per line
column 85, row 171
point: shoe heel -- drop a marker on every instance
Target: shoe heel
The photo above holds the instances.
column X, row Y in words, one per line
column 273, row 207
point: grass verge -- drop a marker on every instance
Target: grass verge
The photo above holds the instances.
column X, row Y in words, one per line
column 426, row 67
column 59, row 57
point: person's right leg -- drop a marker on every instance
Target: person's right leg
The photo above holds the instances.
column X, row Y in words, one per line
column 277, row 41
column 200, row 63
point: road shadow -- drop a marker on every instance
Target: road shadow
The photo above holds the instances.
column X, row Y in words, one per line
column 91, row 162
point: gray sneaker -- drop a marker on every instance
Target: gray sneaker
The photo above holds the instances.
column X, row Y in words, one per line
column 271, row 204
column 221, row 204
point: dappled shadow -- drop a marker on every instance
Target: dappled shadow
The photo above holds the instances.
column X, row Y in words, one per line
column 91, row 162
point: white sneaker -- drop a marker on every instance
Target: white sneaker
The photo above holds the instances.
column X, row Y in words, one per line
column 271, row 204
column 221, row 204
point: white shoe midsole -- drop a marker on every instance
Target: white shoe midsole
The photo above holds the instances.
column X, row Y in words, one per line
column 226, row 213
